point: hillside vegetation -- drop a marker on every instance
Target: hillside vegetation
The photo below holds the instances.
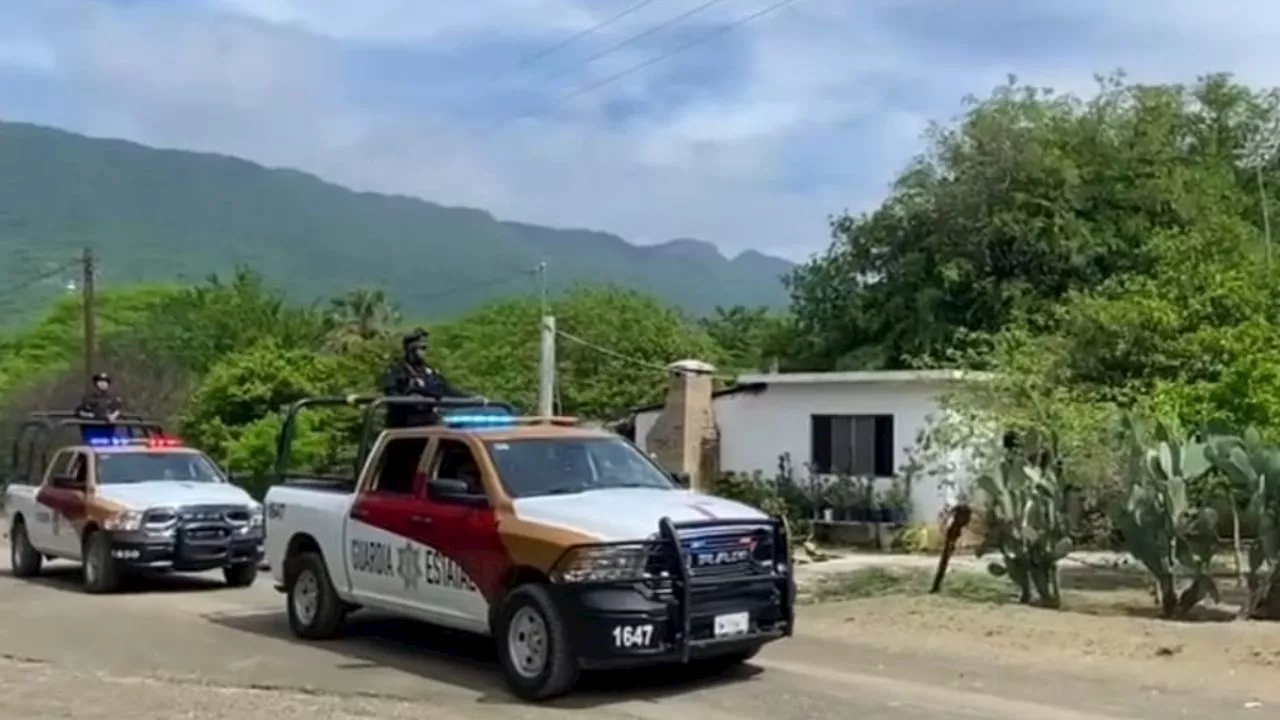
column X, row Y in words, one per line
column 163, row 215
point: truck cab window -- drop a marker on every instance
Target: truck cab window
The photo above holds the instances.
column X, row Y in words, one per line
column 456, row 462
column 399, row 467
column 63, row 464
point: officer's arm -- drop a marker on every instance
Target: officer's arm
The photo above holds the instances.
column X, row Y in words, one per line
column 393, row 382
column 448, row 389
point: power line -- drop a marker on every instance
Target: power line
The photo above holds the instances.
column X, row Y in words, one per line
column 643, row 34
column 16, row 290
column 705, row 37
column 611, row 353
column 626, row 358
column 536, row 56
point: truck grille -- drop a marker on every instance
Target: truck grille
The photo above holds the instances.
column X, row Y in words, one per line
column 730, row 554
column 724, row 553
column 206, row 534
column 200, row 515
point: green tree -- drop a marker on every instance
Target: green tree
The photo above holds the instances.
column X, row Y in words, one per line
column 234, row 414
column 199, row 326
column 751, row 338
column 360, row 316
column 55, row 343
column 611, row 355
column 1030, row 197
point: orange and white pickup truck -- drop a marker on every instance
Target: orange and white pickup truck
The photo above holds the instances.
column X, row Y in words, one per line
column 567, row 545
column 121, row 505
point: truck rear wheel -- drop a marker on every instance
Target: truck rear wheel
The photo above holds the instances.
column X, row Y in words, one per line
column 101, row 572
column 315, row 610
column 533, row 645
column 24, row 559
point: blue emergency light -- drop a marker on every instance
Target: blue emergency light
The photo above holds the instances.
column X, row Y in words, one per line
column 479, row 420
column 478, row 417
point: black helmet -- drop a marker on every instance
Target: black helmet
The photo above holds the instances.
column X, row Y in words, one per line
column 416, row 337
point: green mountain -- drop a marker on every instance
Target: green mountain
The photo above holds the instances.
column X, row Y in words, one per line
column 155, row 215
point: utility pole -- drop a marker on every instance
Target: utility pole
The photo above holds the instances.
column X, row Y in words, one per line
column 1266, row 214
column 90, row 314
column 547, row 350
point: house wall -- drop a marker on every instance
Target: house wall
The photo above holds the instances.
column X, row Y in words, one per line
column 756, row 428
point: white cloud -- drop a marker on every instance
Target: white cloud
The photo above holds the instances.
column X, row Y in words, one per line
column 755, row 160
column 411, row 20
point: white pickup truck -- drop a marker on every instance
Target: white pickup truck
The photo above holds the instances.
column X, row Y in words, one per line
column 126, row 505
column 568, row 546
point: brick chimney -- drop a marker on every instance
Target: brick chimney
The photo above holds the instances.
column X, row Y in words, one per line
column 685, row 438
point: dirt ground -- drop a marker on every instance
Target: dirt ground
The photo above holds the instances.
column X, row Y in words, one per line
column 1107, row 628
column 189, row 647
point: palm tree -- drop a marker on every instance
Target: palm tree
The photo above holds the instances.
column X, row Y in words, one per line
column 359, row 316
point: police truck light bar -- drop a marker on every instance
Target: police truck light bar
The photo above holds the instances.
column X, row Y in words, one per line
column 154, row 442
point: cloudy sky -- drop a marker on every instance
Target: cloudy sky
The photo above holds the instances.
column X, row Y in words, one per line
column 749, row 140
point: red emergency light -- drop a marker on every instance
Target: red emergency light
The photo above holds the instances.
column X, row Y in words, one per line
column 163, row 442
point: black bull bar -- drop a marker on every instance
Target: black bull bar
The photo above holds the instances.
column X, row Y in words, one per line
column 685, row 583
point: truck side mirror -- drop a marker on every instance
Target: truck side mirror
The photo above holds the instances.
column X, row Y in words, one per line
column 681, row 479
column 455, row 492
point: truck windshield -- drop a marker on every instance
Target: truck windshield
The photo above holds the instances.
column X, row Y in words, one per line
column 131, row 467
column 544, row 466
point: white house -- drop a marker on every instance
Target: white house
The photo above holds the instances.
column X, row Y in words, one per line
column 862, row 423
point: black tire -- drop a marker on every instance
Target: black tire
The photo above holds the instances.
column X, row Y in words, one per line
column 24, row 560
column 559, row 669
column 325, row 618
column 240, row 576
column 101, row 572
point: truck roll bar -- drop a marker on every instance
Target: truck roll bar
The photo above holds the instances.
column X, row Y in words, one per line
column 370, row 403
column 40, row 428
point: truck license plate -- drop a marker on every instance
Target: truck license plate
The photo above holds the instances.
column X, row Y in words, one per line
column 732, row 624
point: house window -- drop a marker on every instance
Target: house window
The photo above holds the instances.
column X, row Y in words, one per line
column 858, row 445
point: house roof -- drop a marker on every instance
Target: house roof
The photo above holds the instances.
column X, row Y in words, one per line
column 864, row 376
column 758, row 382
column 734, row 389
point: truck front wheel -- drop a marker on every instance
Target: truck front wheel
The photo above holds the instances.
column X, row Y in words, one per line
column 101, row 572
column 240, row 576
column 24, row 559
column 315, row 610
column 534, row 651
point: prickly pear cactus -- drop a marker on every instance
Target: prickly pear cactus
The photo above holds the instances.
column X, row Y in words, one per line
column 1025, row 523
column 1252, row 464
column 1174, row 541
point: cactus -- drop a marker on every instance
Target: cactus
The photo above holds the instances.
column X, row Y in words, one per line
column 1256, row 466
column 1025, row 523
column 1161, row 530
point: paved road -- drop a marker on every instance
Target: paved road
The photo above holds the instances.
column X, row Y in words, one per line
column 189, row 648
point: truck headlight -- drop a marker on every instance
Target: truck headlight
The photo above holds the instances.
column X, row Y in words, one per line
column 255, row 515
column 601, row 563
column 127, row 521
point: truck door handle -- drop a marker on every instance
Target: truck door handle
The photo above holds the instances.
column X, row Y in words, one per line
column 420, row 519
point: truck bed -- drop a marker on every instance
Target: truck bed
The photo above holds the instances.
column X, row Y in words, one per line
column 316, row 508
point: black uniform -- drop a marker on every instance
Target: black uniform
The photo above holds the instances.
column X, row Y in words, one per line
column 99, row 403
column 411, row 375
